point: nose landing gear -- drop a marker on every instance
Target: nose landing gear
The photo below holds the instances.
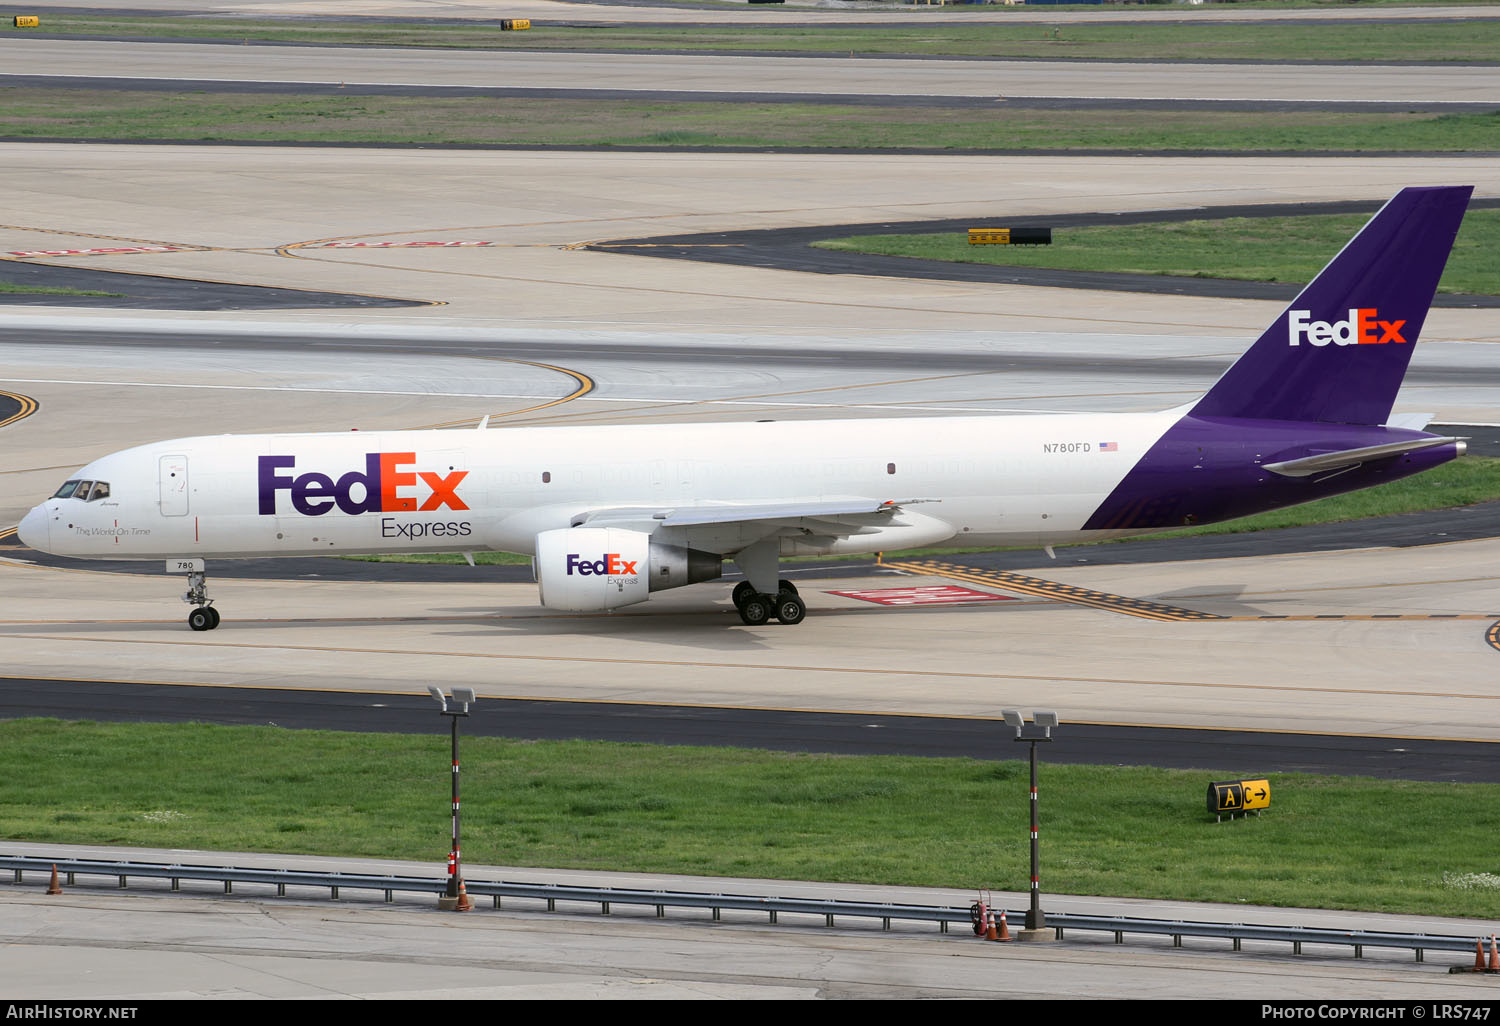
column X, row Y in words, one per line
column 205, row 617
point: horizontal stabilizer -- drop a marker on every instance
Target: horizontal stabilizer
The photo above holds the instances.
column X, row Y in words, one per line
column 1411, row 421
column 1325, row 462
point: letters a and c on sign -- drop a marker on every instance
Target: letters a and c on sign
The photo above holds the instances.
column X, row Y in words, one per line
column 1236, row 796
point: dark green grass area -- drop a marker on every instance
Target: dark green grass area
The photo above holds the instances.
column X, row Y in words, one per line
column 1477, row 40
column 508, row 121
column 1326, row 842
column 14, row 288
column 1284, row 249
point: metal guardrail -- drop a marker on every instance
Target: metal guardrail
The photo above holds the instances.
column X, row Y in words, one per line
column 550, row 893
column 943, row 915
column 1237, row 932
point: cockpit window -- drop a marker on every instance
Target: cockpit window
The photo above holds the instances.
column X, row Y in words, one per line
column 88, row 491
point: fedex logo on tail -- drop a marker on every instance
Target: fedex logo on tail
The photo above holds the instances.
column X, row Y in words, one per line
column 385, row 485
column 609, row 565
column 1362, row 327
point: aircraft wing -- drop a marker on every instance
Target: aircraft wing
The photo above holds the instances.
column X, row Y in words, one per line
column 729, row 526
column 1325, row 462
column 852, row 509
column 857, row 512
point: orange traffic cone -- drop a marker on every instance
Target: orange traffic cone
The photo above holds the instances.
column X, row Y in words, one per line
column 1478, row 955
column 989, row 928
column 464, row 905
column 1494, row 956
column 1004, row 929
column 53, row 888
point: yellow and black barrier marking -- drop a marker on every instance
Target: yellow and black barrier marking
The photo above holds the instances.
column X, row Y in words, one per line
column 514, row 24
column 27, row 21
column 1010, row 236
column 989, row 236
column 1493, row 635
column 1022, row 584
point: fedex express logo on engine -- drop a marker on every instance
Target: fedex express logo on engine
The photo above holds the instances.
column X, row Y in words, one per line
column 609, row 565
column 1362, row 327
column 386, row 485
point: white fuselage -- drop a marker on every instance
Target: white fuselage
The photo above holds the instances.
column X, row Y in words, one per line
column 1023, row 480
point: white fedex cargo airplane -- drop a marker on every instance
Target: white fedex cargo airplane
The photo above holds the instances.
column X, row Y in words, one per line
column 612, row 514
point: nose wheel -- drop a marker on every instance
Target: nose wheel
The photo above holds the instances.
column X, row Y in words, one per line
column 205, row 617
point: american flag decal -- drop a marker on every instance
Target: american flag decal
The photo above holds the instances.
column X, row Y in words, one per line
column 1109, row 447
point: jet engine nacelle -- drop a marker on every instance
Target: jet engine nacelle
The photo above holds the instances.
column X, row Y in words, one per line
column 591, row 568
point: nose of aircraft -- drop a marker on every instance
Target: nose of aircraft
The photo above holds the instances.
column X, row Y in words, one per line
column 33, row 529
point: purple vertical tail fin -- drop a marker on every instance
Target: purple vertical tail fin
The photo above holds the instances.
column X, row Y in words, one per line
column 1339, row 352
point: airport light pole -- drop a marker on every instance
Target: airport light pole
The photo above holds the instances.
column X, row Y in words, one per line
column 455, row 899
column 1046, row 720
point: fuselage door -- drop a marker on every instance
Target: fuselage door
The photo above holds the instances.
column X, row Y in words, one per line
column 174, row 486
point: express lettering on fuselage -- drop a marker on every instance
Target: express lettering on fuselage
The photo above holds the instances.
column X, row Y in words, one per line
column 390, row 527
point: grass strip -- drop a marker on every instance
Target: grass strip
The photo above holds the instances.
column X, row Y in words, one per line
column 1326, row 842
column 1284, row 249
column 13, row 288
column 1406, row 40
column 42, row 113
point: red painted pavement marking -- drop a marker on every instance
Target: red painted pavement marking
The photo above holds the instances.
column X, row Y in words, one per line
column 937, row 594
column 93, row 252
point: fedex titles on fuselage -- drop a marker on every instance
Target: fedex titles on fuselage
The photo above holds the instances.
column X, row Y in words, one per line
column 1361, row 328
column 387, row 484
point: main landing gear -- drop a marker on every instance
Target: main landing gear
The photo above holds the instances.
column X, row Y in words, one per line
column 205, row 617
column 755, row 608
